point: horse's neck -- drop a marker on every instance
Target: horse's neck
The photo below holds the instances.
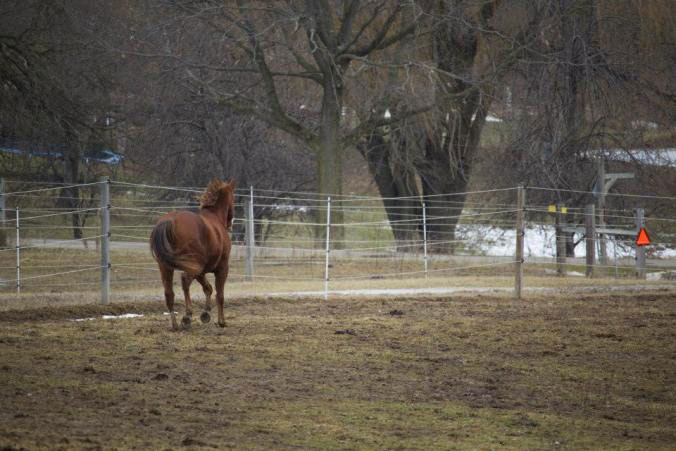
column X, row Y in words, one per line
column 220, row 212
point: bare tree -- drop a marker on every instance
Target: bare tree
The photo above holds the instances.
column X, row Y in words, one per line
column 54, row 87
column 585, row 84
column 289, row 64
column 473, row 46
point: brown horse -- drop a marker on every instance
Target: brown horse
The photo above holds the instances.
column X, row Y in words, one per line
column 197, row 244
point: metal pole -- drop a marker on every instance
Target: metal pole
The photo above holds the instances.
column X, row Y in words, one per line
column 603, row 252
column 615, row 256
column 590, row 235
column 520, row 234
column 18, row 255
column 560, row 243
column 249, row 236
column 640, row 250
column 425, row 238
column 105, row 239
column 3, row 214
column 328, row 248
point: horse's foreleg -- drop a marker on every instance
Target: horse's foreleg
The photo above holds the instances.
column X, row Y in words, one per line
column 221, row 276
column 167, row 275
column 186, row 280
column 202, row 279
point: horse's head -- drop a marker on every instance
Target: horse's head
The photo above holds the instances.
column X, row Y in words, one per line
column 220, row 196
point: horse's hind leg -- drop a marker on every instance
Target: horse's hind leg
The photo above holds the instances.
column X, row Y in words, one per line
column 186, row 280
column 221, row 276
column 167, row 275
column 202, row 279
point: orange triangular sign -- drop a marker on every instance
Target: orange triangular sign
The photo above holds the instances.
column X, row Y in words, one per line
column 642, row 239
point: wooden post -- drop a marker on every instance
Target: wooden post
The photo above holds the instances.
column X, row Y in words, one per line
column 640, row 250
column 105, row 239
column 328, row 248
column 425, row 238
column 560, row 242
column 18, row 255
column 249, row 236
column 520, row 233
column 590, row 238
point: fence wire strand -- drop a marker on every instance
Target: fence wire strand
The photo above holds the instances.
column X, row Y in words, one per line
column 288, row 227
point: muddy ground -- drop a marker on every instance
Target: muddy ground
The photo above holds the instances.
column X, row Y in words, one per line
column 480, row 372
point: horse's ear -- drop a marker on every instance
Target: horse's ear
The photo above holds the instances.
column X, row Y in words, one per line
column 232, row 184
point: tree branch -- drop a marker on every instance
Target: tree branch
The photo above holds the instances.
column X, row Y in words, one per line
column 378, row 120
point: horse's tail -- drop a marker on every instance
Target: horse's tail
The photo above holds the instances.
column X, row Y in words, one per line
column 162, row 240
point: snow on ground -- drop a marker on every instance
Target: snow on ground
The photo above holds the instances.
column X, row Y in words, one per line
column 124, row 316
column 540, row 241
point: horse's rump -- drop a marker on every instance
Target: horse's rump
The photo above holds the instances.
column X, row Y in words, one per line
column 163, row 248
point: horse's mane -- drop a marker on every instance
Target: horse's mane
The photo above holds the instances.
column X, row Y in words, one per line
column 211, row 194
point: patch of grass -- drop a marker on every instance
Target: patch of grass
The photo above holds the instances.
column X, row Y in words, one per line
column 58, row 271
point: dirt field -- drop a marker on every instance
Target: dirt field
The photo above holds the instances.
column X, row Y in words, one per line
column 480, row 372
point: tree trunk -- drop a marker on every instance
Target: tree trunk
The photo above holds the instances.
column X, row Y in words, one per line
column 449, row 159
column 444, row 208
column 330, row 165
column 393, row 187
column 71, row 194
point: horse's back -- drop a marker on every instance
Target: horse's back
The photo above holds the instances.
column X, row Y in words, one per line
column 200, row 238
column 187, row 225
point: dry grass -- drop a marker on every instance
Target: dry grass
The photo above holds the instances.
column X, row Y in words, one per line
column 152, row 291
column 465, row 372
column 135, row 274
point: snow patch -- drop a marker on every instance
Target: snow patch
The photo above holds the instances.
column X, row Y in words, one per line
column 123, row 316
column 540, row 241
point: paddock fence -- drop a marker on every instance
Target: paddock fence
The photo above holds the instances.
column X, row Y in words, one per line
column 93, row 237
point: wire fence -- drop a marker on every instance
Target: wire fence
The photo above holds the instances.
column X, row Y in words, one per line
column 53, row 238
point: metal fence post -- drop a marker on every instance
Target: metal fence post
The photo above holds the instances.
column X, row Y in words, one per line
column 560, row 242
column 520, row 234
column 590, row 238
column 105, row 239
column 602, row 238
column 640, row 250
column 18, row 255
column 249, row 233
column 424, row 207
column 3, row 214
column 328, row 248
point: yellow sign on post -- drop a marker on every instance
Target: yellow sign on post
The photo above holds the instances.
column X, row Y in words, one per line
column 552, row 209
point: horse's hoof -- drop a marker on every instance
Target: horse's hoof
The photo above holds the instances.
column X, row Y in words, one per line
column 221, row 324
column 205, row 317
column 186, row 322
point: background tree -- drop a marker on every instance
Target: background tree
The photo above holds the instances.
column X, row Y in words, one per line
column 55, row 90
column 473, row 46
column 289, row 64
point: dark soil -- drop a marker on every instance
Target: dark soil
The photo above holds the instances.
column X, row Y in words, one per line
column 594, row 371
